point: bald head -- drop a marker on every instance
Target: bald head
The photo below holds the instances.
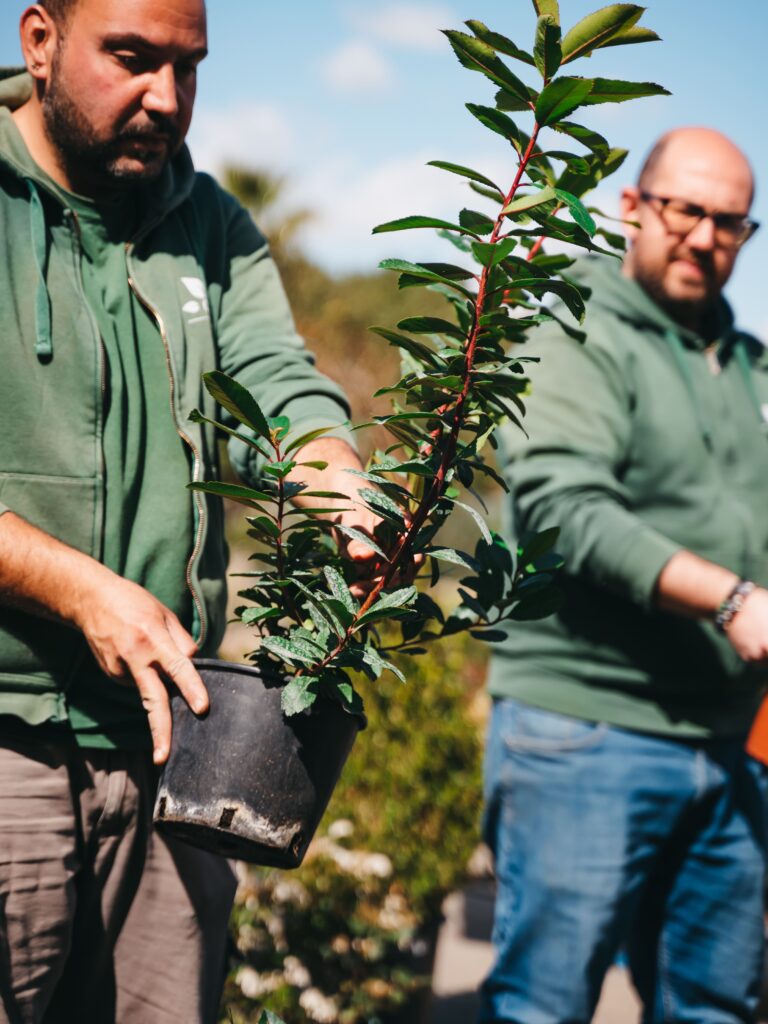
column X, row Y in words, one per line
column 694, row 145
column 686, row 219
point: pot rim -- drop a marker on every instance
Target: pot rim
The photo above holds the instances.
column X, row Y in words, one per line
column 251, row 670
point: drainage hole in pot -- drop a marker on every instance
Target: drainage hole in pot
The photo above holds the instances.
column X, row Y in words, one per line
column 225, row 821
column 161, row 807
column 298, row 842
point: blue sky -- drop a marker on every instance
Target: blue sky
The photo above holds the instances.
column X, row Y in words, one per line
column 350, row 99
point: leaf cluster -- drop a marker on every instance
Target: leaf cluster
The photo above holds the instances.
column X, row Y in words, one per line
column 462, row 374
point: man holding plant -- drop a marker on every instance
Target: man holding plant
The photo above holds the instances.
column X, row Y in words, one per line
column 622, row 808
column 125, row 276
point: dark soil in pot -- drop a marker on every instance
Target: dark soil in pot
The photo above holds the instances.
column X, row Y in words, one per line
column 244, row 781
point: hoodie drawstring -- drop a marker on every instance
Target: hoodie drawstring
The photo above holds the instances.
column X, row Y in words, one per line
column 38, row 228
column 678, row 351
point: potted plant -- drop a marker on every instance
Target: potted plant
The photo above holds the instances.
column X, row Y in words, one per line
column 253, row 778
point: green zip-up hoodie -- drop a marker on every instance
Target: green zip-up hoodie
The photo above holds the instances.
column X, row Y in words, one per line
column 639, row 444
column 202, row 269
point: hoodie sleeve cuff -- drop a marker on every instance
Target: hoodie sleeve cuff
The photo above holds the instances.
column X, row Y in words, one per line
column 629, row 561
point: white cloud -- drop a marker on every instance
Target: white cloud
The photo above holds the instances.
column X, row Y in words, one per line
column 357, row 65
column 412, row 25
column 254, row 134
column 349, row 201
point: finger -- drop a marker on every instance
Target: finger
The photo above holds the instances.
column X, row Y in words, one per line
column 154, row 698
column 360, row 552
column 183, row 640
column 183, row 674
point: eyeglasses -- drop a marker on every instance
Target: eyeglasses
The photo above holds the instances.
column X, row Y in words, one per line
column 732, row 230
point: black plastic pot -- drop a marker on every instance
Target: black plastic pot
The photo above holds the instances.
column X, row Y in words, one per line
column 245, row 781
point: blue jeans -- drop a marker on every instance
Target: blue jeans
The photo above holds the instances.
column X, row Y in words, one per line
column 606, row 838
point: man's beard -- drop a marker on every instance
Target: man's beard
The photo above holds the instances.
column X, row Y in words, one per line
column 85, row 156
column 689, row 311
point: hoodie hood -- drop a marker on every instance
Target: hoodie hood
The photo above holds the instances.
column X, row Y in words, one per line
column 156, row 201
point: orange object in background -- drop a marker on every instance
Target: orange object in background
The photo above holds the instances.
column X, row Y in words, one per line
column 757, row 741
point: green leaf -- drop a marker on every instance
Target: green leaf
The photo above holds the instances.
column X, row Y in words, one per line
column 280, row 469
column 377, row 664
column 406, row 223
column 292, row 650
column 267, row 1017
column 498, row 42
column 492, row 253
column 546, row 52
column 487, row 535
column 417, row 348
column 251, row 615
column 454, row 556
column 491, row 636
column 635, row 34
column 265, row 525
column 431, row 325
column 527, row 202
column 237, row 492
column 560, row 98
column 607, row 90
column 464, row 172
column 314, row 465
column 429, row 271
column 302, row 439
column 578, row 210
column 297, row 696
column 477, row 55
column 382, row 504
column 506, row 100
column 349, row 698
column 497, row 122
column 237, row 400
column 532, row 547
column 339, row 588
column 477, row 223
column 592, row 140
column 197, row 417
column 597, row 28
column 551, row 7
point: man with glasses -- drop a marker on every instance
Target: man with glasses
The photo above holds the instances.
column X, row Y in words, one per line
column 621, row 807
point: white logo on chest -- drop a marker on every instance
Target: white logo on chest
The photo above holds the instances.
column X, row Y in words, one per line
column 196, row 308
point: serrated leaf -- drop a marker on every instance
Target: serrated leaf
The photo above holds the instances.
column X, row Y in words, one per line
column 608, row 90
column 477, row 55
column 251, row 615
column 339, row 588
column 498, row 42
column 594, row 30
column 506, row 100
column 547, row 52
column 561, row 98
column 475, row 222
column 237, row 400
column 431, row 325
column 487, row 536
column 497, row 122
column 429, row 271
column 528, row 202
column 578, row 210
column 415, row 221
column 454, row 556
column 236, row 492
column 464, row 172
column 490, row 254
column 635, row 34
column 592, row 140
column 298, row 695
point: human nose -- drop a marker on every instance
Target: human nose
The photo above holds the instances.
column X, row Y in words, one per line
column 703, row 235
column 161, row 97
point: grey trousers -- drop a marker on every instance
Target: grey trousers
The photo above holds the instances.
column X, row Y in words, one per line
column 102, row 921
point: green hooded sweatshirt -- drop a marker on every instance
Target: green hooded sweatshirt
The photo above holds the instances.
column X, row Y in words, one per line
column 640, row 443
column 95, row 301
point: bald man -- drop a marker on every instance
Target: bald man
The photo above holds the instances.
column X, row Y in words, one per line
column 620, row 805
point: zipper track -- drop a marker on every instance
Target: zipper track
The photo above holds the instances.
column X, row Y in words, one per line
column 198, row 500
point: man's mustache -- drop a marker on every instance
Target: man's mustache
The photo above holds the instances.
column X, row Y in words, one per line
column 160, row 127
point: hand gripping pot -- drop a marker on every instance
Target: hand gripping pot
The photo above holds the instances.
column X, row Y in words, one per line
column 245, row 781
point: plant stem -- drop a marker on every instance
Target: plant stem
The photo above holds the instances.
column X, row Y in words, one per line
column 435, row 491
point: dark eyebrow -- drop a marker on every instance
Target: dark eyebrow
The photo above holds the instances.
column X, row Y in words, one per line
column 136, row 42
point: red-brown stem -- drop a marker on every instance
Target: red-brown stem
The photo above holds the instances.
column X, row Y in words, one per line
column 542, row 238
column 436, row 488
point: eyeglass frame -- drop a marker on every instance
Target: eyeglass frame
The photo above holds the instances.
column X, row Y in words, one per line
column 749, row 226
